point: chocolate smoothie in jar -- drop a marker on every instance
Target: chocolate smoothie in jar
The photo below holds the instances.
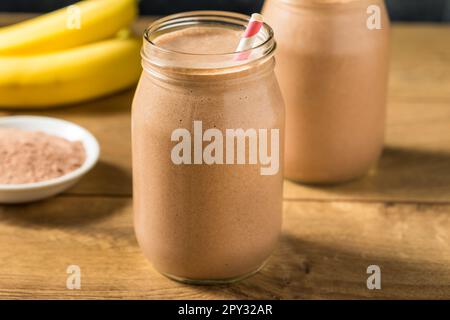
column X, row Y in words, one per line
column 332, row 65
column 207, row 129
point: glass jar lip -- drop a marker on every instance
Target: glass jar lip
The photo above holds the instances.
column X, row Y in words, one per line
column 325, row 3
column 199, row 14
column 156, row 56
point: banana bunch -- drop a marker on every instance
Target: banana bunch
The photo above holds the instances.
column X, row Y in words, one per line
column 70, row 55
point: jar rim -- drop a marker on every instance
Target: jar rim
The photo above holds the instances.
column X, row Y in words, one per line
column 262, row 49
column 325, row 3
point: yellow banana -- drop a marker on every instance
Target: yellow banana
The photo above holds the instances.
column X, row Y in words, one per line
column 82, row 23
column 69, row 76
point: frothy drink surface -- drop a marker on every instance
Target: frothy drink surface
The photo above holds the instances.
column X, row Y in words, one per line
column 201, row 40
column 203, row 221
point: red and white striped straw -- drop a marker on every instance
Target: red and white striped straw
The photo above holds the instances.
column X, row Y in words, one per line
column 250, row 35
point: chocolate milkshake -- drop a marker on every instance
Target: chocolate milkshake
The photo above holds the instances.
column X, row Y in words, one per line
column 332, row 64
column 207, row 149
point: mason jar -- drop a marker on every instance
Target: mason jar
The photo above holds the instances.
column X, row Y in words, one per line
column 208, row 132
column 332, row 64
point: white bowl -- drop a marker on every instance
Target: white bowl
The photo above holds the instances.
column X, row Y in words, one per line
column 26, row 192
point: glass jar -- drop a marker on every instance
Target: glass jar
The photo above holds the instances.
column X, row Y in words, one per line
column 207, row 132
column 332, row 65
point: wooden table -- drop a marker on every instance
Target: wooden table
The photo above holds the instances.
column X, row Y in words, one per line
column 397, row 217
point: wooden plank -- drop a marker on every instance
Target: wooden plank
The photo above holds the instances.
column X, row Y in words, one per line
column 10, row 18
column 416, row 162
column 415, row 166
column 324, row 253
column 326, row 244
column 420, row 67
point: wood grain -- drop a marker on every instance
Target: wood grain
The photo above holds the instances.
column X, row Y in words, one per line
column 324, row 253
column 397, row 217
column 421, row 63
column 414, row 167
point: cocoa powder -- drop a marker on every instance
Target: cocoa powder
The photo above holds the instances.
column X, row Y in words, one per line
column 33, row 156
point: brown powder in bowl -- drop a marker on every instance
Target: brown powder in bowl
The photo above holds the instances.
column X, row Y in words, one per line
column 33, row 156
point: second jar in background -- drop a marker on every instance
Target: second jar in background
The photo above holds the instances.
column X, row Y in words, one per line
column 332, row 65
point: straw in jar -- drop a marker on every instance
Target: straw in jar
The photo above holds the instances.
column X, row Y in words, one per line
column 249, row 37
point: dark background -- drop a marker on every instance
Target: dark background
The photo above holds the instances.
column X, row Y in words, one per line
column 406, row 10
